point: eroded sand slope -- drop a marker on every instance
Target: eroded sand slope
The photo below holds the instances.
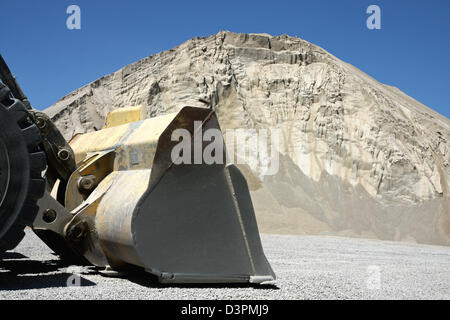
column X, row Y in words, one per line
column 358, row 158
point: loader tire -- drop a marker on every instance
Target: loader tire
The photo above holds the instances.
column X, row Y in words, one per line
column 21, row 166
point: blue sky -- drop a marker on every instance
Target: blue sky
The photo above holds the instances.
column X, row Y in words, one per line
column 411, row 51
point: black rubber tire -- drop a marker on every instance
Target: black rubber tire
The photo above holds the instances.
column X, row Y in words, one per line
column 21, row 166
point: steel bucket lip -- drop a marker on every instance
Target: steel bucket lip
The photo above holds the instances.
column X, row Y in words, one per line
column 254, row 269
column 138, row 205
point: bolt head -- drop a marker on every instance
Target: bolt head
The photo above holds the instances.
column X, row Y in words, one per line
column 49, row 216
column 40, row 122
column 78, row 231
column 63, row 155
column 86, row 183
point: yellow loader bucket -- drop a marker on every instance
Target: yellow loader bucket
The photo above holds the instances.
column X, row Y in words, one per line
column 133, row 203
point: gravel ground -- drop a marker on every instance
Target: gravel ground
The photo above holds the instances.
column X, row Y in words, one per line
column 307, row 267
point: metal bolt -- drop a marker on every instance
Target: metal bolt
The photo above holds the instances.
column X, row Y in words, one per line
column 77, row 231
column 86, row 183
column 40, row 122
column 49, row 216
column 63, row 155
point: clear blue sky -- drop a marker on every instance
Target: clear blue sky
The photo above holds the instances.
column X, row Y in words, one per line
column 411, row 51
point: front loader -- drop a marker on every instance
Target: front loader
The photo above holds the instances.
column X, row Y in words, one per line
column 119, row 199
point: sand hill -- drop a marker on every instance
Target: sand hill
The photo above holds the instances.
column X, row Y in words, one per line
column 358, row 158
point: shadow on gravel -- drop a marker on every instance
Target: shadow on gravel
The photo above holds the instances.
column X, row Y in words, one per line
column 32, row 274
column 17, row 267
column 12, row 255
column 28, row 282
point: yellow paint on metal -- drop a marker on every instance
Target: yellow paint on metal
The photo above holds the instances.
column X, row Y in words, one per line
column 121, row 116
column 134, row 143
column 98, row 165
column 96, row 141
column 115, row 212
